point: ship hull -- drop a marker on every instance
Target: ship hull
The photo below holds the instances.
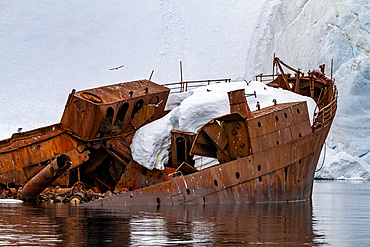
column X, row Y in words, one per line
column 282, row 173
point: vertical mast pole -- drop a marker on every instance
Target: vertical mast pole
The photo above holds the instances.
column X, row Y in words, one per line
column 331, row 70
column 182, row 86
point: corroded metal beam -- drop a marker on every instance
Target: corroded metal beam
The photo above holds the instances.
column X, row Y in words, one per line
column 46, row 176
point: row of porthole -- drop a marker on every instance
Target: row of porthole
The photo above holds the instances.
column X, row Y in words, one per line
column 277, row 118
column 120, row 117
column 299, row 134
column 237, row 175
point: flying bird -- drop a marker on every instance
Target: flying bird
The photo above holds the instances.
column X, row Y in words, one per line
column 247, row 81
column 117, row 67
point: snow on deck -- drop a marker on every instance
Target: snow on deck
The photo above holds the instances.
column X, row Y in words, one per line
column 151, row 143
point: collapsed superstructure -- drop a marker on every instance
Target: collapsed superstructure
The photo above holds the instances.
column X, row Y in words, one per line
column 264, row 155
column 95, row 133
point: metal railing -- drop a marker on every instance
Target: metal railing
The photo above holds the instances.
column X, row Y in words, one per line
column 264, row 78
column 326, row 114
column 179, row 87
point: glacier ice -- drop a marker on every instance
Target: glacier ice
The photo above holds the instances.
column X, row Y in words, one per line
column 308, row 33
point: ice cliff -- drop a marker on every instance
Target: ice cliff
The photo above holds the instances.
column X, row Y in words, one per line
column 50, row 47
column 307, row 33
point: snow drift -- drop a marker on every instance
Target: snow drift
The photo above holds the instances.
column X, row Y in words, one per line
column 151, row 143
column 51, row 47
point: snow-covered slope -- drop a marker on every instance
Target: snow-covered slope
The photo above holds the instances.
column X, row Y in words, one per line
column 50, row 47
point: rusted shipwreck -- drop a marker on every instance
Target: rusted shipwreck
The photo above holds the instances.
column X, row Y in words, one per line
column 266, row 155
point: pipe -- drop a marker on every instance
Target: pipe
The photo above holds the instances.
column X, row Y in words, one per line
column 45, row 177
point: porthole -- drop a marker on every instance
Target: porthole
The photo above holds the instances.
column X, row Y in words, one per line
column 106, row 126
column 277, row 142
column 139, row 104
column 187, row 191
column 286, row 173
column 259, row 124
column 233, row 132
column 285, row 115
column 259, row 167
column 154, row 100
column 260, row 179
column 300, row 161
column 120, row 117
column 300, row 135
column 215, row 182
column 276, row 118
column 158, row 201
column 237, row 175
column 298, row 110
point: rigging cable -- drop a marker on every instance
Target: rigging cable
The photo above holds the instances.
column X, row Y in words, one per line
column 323, row 159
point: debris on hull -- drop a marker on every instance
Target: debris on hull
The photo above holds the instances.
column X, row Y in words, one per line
column 95, row 134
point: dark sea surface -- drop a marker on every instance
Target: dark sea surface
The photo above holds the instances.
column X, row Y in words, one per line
column 338, row 215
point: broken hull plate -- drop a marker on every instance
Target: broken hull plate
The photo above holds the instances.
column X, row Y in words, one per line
column 283, row 173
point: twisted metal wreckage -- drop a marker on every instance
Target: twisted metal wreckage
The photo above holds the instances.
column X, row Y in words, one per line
column 266, row 155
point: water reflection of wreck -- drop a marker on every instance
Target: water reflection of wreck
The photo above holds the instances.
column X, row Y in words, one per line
column 266, row 155
column 280, row 224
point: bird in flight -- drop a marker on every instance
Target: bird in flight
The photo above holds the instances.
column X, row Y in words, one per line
column 117, row 67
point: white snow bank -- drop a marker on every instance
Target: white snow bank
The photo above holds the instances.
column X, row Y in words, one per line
column 175, row 99
column 151, row 143
column 342, row 165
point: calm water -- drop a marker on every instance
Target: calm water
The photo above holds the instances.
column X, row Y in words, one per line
column 338, row 215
